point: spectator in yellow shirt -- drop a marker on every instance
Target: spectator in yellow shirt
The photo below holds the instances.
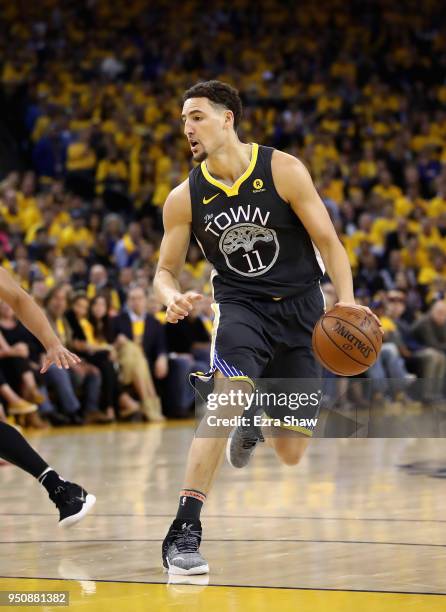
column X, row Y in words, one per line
column 77, row 233
column 434, row 270
column 80, row 165
column 385, row 187
column 112, row 178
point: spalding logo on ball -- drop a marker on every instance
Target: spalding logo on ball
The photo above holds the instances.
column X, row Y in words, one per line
column 347, row 340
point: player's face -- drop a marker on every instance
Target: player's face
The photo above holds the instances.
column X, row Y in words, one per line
column 137, row 301
column 205, row 127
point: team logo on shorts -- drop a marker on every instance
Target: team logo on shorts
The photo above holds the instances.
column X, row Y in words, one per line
column 249, row 249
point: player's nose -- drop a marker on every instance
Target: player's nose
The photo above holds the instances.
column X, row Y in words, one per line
column 188, row 129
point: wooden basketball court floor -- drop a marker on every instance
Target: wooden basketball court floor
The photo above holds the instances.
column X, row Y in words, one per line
column 348, row 529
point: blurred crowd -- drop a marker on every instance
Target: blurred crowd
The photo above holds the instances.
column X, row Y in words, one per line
column 134, row 367
column 91, row 94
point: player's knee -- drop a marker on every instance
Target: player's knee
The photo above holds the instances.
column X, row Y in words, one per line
column 290, row 452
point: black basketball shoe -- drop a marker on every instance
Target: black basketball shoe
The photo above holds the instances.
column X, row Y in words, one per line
column 180, row 549
column 72, row 501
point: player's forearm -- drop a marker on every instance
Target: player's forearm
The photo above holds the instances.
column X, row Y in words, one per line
column 166, row 286
column 29, row 313
column 338, row 267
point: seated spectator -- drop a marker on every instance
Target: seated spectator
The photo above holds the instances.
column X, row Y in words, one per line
column 99, row 283
column 394, row 268
column 77, row 233
column 80, row 165
column 20, row 362
column 139, row 340
column 84, row 377
column 83, row 343
column 101, row 334
column 112, row 181
column 389, row 372
column 16, row 406
column 398, row 238
column 427, row 362
column 430, row 332
column 189, row 345
column 126, row 250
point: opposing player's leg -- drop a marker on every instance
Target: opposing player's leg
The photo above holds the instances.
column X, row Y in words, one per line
column 72, row 501
column 180, row 549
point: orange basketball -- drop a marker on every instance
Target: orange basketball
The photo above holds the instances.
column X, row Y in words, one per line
column 346, row 340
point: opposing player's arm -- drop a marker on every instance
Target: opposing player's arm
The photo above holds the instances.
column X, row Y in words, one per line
column 294, row 184
column 29, row 313
column 177, row 220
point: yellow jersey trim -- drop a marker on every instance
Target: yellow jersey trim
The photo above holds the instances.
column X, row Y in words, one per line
column 233, row 191
column 298, row 429
column 244, row 379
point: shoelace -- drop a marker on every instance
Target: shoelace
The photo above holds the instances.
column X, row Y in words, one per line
column 61, row 496
column 249, row 439
column 187, row 540
column 248, row 443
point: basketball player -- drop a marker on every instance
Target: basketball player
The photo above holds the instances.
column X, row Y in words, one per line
column 72, row 501
column 260, row 222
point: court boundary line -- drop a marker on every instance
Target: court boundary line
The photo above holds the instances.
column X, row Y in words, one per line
column 214, row 540
column 242, row 586
column 239, row 516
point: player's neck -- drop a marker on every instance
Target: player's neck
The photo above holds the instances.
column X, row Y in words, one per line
column 230, row 162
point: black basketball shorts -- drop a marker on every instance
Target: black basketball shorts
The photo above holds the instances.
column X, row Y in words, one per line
column 266, row 339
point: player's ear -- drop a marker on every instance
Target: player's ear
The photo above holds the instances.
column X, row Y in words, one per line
column 229, row 119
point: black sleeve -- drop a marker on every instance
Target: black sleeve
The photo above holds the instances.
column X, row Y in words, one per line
column 160, row 344
column 155, row 342
column 119, row 327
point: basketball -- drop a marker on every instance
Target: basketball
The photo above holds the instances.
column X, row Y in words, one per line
column 347, row 340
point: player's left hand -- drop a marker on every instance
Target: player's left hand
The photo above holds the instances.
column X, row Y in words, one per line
column 367, row 310
column 59, row 356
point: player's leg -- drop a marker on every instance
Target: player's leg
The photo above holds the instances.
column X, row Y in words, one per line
column 72, row 501
column 181, row 553
column 291, row 323
column 236, row 345
column 291, row 441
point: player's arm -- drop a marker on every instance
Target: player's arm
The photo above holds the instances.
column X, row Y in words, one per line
column 294, row 184
column 29, row 313
column 177, row 220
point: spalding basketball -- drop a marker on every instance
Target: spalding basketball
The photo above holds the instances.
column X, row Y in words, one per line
column 347, row 340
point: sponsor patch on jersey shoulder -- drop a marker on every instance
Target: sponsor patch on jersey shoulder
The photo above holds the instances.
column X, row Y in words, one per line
column 258, row 186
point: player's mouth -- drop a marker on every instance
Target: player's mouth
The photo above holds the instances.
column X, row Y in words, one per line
column 194, row 144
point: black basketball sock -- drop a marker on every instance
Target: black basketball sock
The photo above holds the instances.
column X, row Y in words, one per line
column 50, row 480
column 15, row 449
column 191, row 503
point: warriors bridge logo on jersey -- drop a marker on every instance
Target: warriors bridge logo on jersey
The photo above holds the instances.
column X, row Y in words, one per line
column 249, row 247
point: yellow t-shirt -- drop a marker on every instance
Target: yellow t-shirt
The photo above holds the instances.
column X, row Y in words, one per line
column 388, row 324
column 388, row 193
column 61, row 331
column 70, row 235
column 80, row 157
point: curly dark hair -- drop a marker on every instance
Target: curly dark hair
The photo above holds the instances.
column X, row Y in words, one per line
column 220, row 94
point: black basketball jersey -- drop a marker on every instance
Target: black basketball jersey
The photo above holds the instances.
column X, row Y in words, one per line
column 256, row 243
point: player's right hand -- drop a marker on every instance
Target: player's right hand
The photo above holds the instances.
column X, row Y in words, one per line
column 181, row 305
column 59, row 356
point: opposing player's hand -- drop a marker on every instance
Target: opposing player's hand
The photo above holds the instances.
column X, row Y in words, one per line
column 60, row 356
column 181, row 305
column 367, row 310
